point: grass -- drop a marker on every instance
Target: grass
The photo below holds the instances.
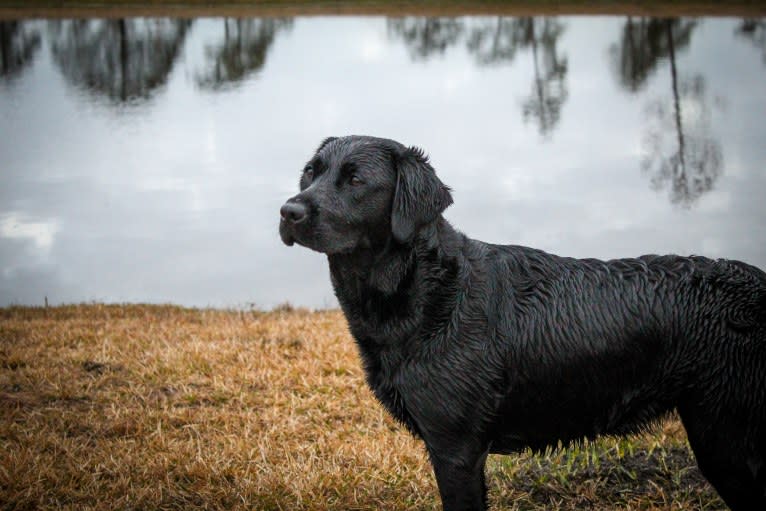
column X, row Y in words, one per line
column 161, row 407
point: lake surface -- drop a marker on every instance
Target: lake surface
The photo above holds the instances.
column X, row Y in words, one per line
column 145, row 159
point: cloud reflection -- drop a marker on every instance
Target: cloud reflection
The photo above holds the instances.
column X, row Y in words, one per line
column 15, row 226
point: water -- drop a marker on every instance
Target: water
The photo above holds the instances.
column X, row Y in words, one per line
column 146, row 159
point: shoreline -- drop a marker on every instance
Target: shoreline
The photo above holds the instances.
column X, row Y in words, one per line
column 197, row 8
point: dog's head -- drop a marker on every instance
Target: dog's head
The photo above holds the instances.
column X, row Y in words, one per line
column 362, row 192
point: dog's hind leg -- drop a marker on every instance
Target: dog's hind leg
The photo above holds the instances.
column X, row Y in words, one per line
column 732, row 455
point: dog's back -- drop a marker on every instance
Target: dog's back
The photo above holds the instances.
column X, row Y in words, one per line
column 615, row 344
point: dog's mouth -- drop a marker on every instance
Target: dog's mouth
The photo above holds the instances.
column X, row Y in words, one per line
column 288, row 238
column 292, row 234
column 322, row 241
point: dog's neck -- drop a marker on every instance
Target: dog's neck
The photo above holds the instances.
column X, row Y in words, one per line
column 377, row 288
column 384, row 269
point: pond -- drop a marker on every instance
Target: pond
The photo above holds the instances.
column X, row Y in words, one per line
column 145, row 159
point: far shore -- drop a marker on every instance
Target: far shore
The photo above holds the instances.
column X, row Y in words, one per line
column 277, row 8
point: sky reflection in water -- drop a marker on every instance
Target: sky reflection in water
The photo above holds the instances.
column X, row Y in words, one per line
column 146, row 159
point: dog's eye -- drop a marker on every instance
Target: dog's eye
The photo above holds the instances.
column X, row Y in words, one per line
column 355, row 180
column 308, row 171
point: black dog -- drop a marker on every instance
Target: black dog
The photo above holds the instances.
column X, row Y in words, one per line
column 481, row 348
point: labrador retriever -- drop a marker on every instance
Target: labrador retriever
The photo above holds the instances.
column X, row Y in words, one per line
column 480, row 348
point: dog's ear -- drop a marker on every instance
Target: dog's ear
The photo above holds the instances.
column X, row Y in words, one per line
column 325, row 142
column 420, row 196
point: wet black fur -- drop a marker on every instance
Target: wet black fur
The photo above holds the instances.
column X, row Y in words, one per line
column 480, row 348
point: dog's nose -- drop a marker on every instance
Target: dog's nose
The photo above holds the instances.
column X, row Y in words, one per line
column 294, row 212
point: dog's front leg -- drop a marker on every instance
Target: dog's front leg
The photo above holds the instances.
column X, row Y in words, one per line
column 460, row 479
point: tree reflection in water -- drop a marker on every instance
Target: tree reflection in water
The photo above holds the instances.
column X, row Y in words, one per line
column 122, row 59
column 426, row 37
column 644, row 43
column 242, row 52
column 127, row 59
column 755, row 30
column 18, row 45
column 680, row 151
column 496, row 41
column 549, row 90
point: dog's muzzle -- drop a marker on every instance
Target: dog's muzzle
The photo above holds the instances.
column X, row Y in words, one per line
column 293, row 213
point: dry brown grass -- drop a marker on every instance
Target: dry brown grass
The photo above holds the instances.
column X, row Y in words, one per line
column 160, row 407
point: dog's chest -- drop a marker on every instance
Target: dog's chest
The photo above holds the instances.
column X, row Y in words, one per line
column 380, row 371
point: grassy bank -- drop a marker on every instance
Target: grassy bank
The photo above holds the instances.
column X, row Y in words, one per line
column 159, row 407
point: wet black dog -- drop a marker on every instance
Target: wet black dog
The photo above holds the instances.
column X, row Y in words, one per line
column 481, row 348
